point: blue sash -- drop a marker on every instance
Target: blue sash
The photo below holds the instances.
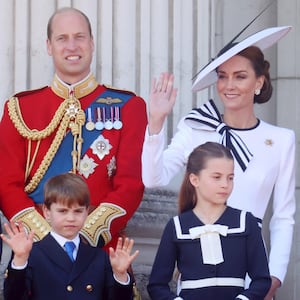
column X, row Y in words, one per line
column 60, row 163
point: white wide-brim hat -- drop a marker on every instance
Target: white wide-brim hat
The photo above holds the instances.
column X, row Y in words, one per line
column 262, row 39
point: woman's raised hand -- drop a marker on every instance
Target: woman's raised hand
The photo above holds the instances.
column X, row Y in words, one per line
column 161, row 101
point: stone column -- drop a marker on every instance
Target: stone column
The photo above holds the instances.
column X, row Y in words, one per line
column 146, row 227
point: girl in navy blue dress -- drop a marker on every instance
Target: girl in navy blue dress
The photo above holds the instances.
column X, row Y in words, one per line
column 212, row 245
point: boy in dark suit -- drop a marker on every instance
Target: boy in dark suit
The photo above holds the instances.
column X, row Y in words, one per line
column 44, row 270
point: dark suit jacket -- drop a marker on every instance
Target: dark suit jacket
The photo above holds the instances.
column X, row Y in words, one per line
column 50, row 274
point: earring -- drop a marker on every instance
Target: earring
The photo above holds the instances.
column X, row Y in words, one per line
column 257, row 92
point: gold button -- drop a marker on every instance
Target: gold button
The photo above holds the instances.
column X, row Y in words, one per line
column 69, row 288
column 89, row 288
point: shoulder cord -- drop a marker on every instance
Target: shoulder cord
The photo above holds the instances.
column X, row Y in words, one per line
column 69, row 114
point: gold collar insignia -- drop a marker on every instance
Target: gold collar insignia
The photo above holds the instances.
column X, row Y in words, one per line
column 79, row 89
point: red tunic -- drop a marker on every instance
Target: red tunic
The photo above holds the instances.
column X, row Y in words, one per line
column 123, row 188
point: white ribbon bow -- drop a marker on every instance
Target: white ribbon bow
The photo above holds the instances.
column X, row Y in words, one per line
column 210, row 242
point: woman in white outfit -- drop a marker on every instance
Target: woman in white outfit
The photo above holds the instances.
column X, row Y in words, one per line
column 264, row 153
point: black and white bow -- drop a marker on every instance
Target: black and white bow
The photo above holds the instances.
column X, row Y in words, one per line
column 208, row 116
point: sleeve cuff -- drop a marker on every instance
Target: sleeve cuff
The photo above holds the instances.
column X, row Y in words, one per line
column 13, row 266
column 121, row 282
column 241, row 297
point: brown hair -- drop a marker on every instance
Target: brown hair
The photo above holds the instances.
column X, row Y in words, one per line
column 261, row 68
column 62, row 10
column 66, row 188
column 197, row 161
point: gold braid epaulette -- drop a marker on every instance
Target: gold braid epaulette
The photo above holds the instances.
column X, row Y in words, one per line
column 62, row 118
column 98, row 223
column 32, row 220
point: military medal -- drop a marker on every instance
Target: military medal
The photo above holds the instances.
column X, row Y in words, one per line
column 99, row 124
column 101, row 147
column 108, row 123
column 111, row 167
column 117, row 123
column 87, row 166
column 90, row 125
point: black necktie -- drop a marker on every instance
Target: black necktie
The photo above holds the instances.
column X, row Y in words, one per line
column 208, row 115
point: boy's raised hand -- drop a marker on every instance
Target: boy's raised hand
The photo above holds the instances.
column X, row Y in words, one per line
column 19, row 241
column 121, row 258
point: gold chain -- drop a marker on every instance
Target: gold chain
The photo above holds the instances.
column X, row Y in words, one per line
column 34, row 135
column 43, row 167
column 69, row 114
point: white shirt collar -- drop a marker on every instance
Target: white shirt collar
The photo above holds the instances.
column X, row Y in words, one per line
column 62, row 240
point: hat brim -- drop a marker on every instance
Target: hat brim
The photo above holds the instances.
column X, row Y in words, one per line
column 262, row 39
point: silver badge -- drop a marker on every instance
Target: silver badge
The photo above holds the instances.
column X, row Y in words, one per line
column 101, row 146
column 111, row 167
column 87, row 166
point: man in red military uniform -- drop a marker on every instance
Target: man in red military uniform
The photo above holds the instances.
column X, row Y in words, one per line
column 74, row 125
